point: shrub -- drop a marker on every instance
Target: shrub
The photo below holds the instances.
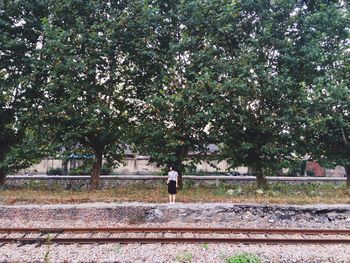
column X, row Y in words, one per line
column 55, row 171
column 221, row 189
column 310, row 173
column 243, row 258
column 85, row 169
column 190, row 170
column 81, row 170
column 106, row 169
column 188, row 183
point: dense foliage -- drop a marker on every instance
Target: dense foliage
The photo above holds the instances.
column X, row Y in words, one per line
column 20, row 30
column 178, row 106
column 280, row 55
column 327, row 134
column 267, row 81
column 97, row 65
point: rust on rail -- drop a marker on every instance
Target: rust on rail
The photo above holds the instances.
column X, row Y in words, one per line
column 145, row 240
column 308, row 236
column 179, row 230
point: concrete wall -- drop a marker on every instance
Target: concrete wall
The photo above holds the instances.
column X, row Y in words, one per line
column 338, row 171
column 129, row 166
column 141, row 166
column 136, row 166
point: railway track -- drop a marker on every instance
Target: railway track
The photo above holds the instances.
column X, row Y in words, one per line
column 173, row 235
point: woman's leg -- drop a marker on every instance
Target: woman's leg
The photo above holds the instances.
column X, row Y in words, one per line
column 170, row 198
column 174, row 198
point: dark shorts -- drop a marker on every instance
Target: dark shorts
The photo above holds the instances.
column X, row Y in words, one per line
column 172, row 187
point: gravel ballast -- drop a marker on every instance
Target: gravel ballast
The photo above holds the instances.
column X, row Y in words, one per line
column 172, row 253
column 245, row 216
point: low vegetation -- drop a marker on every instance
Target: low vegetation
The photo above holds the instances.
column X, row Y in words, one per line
column 184, row 257
column 279, row 193
column 243, row 258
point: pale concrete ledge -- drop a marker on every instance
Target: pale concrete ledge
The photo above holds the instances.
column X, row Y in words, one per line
column 192, row 177
column 181, row 205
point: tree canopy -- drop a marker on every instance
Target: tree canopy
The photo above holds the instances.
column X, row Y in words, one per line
column 327, row 126
column 20, row 28
column 282, row 52
column 268, row 81
column 177, row 109
column 95, row 55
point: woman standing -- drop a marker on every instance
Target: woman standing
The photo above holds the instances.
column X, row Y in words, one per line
column 172, row 185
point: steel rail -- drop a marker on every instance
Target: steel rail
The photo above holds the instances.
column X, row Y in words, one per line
column 146, row 240
column 341, row 236
column 179, row 230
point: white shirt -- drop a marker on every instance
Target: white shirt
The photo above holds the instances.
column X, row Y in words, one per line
column 172, row 175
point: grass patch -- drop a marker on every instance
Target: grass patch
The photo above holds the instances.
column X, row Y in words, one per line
column 243, row 258
column 205, row 246
column 116, row 248
column 184, row 257
column 279, row 193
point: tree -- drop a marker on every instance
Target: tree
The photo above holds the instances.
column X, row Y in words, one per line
column 327, row 129
column 95, row 56
column 20, row 29
column 262, row 107
column 177, row 110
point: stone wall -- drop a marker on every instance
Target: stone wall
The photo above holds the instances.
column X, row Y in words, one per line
column 182, row 213
column 83, row 182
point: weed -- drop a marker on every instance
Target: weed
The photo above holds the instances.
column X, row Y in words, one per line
column 205, row 246
column 184, row 257
column 188, row 183
column 273, row 193
column 55, row 186
column 153, row 193
column 220, row 190
column 237, row 191
column 55, row 171
column 116, row 248
column 34, row 185
column 47, row 254
column 243, row 258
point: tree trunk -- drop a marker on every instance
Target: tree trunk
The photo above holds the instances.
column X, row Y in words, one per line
column 347, row 170
column 180, row 181
column 178, row 168
column 2, row 177
column 65, row 166
column 96, row 171
column 260, row 177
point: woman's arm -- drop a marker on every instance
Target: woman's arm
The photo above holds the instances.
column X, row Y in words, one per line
column 177, row 181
